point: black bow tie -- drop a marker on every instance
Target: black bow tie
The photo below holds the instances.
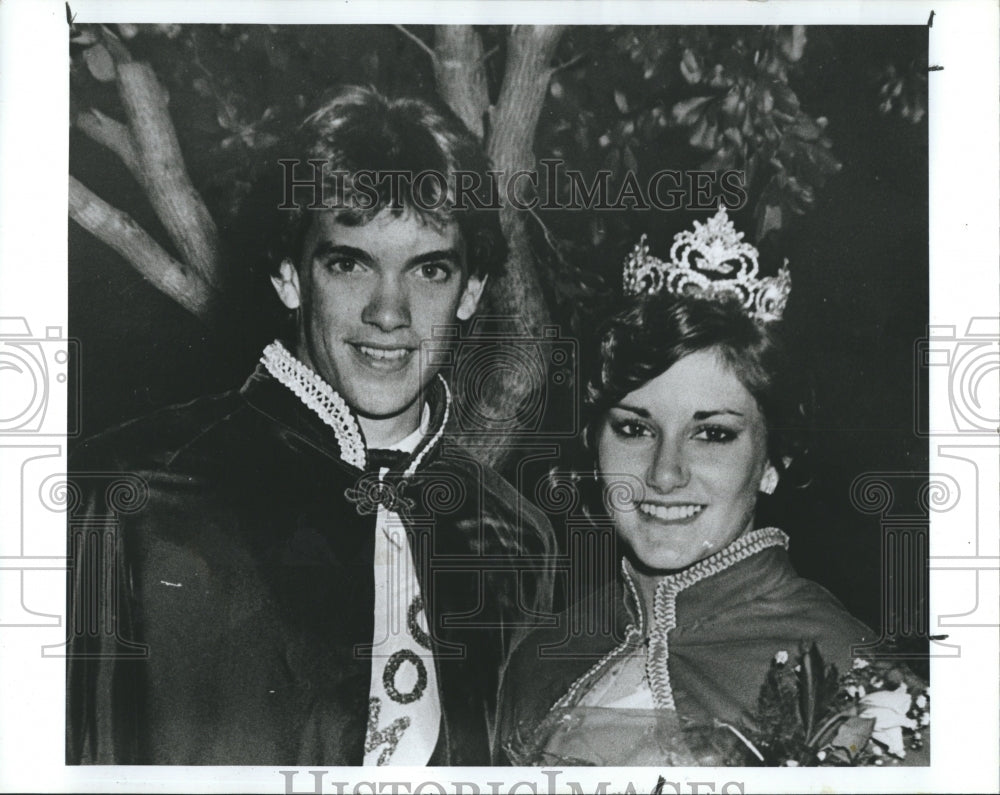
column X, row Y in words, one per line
column 379, row 459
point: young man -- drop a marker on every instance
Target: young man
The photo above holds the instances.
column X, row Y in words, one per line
column 307, row 574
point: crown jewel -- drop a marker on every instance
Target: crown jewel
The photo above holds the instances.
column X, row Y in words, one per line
column 711, row 262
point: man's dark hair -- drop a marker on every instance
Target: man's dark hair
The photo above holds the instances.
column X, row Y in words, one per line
column 357, row 129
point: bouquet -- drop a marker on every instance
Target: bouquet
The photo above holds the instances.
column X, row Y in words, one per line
column 808, row 714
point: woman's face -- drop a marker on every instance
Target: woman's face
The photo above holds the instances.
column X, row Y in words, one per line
column 696, row 440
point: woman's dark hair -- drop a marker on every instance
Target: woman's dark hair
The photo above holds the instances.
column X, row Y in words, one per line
column 363, row 138
column 652, row 333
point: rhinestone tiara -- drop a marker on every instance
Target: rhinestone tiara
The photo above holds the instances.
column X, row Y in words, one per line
column 712, row 262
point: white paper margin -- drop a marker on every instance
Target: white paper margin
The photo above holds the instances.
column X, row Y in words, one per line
column 964, row 201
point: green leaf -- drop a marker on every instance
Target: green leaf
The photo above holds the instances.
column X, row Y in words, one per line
column 202, row 87
column 805, row 128
column 687, row 111
column 811, row 669
column 854, row 734
column 704, row 135
column 784, row 98
column 690, row 67
column 771, row 220
column 100, row 63
column 82, row 36
column 793, row 42
column 629, row 159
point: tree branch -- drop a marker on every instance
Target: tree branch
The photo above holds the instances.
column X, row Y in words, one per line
column 460, row 73
column 112, row 134
column 417, row 40
column 567, row 64
column 164, row 175
column 118, row 230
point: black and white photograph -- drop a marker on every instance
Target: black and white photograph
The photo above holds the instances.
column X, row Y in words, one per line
column 584, row 398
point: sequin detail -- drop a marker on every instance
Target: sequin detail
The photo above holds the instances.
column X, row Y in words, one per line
column 665, row 603
column 389, row 676
column 389, row 736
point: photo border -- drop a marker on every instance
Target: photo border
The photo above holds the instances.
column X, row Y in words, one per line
column 964, row 321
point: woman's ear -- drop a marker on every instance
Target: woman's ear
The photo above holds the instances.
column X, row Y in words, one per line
column 769, row 480
column 286, row 284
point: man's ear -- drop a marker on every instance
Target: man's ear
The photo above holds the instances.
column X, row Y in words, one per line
column 470, row 297
column 286, row 284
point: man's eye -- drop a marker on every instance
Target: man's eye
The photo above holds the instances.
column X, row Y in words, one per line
column 343, row 264
column 433, row 272
column 716, row 434
column 630, row 429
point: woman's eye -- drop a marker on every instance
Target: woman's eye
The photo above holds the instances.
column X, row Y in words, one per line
column 630, row 429
column 715, row 433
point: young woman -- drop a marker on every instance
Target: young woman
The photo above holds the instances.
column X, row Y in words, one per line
column 693, row 416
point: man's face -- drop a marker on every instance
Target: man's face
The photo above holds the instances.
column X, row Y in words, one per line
column 368, row 295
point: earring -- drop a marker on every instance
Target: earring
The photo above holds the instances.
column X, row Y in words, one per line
column 769, row 482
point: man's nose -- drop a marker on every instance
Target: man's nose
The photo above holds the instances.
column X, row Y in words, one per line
column 668, row 470
column 388, row 306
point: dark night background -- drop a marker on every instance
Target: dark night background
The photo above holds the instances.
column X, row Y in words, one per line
column 858, row 258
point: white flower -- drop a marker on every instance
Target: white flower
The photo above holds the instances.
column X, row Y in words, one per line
column 855, row 691
column 821, row 755
column 859, row 663
column 925, row 720
column 921, row 701
column 877, row 750
column 781, row 657
column 889, row 708
column 876, row 682
column 791, row 763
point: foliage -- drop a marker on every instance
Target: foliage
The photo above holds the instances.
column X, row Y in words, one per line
column 624, row 99
column 807, row 714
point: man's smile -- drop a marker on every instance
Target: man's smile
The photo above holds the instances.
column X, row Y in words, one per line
column 382, row 357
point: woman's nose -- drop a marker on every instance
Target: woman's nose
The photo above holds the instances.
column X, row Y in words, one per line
column 388, row 306
column 668, row 469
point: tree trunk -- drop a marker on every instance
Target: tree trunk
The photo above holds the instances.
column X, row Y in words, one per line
column 511, row 148
column 517, row 295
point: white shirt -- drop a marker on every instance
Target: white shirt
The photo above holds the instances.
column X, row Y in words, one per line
column 404, row 709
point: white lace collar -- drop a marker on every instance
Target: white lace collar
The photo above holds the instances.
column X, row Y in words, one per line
column 330, row 407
